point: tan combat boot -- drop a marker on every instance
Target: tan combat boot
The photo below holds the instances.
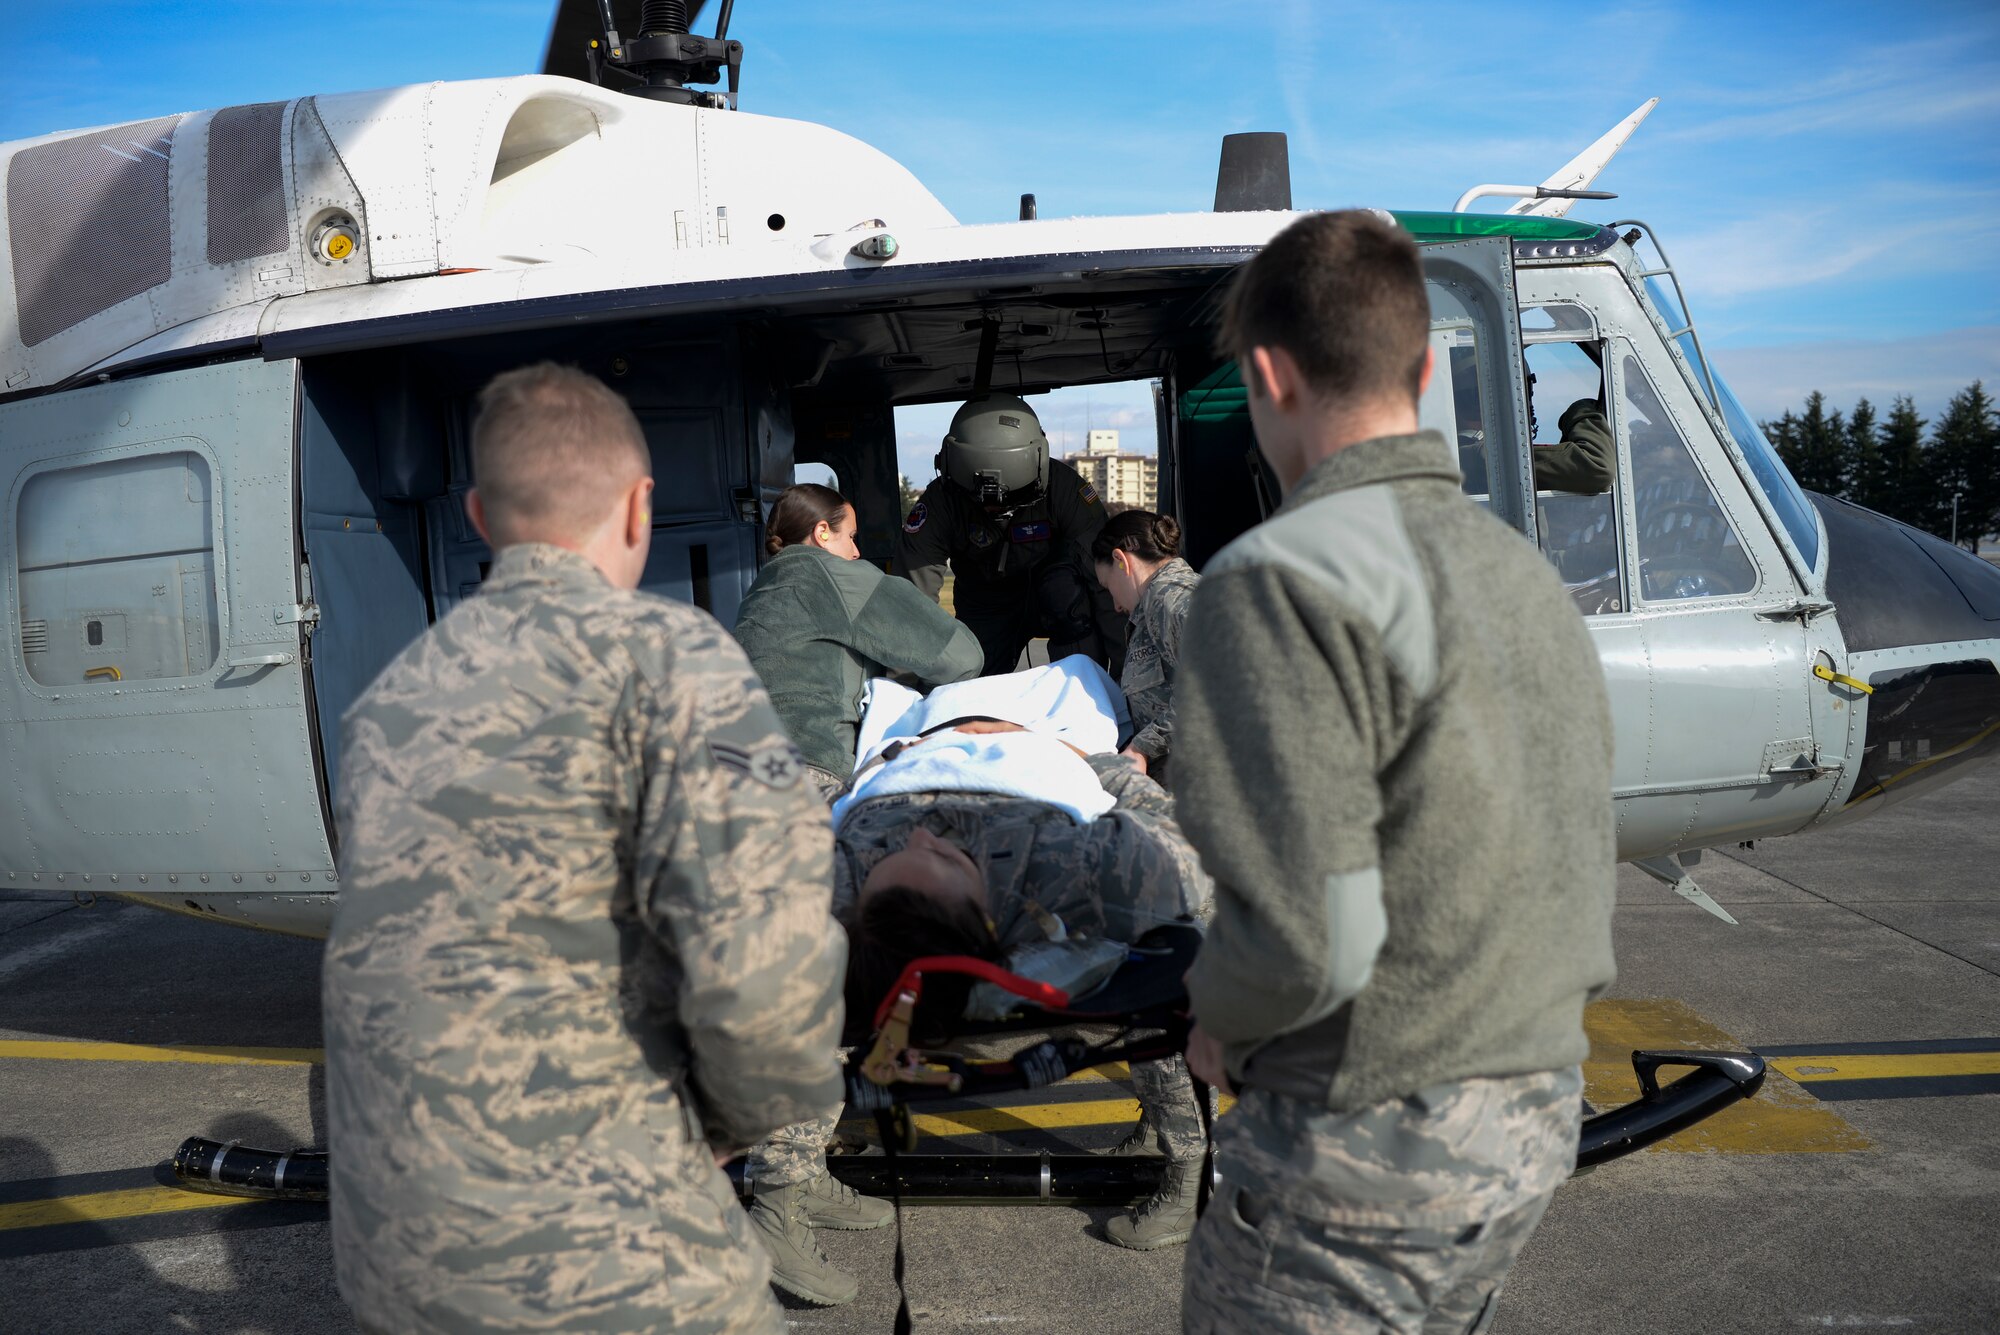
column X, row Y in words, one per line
column 831, row 1203
column 1165, row 1220
column 1142, row 1140
column 798, row 1266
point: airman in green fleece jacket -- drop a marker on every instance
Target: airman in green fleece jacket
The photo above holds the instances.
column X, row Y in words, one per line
column 1393, row 752
column 818, row 623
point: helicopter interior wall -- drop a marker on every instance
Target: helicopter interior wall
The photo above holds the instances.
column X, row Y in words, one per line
column 385, row 465
column 361, row 515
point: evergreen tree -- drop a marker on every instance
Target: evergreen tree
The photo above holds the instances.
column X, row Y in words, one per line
column 1908, row 464
column 1821, row 447
column 907, row 496
column 1871, row 475
column 1967, row 462
column 1784, row 437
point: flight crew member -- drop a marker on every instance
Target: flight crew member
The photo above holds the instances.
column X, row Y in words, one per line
column 1138, row 558
column 1582, row 461
column 971, row 872
column 1015, row 527
column 1393, row 751
column 818, row 623
column 583, row 951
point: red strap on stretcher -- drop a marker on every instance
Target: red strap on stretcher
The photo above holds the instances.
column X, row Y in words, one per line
column 1045, row 995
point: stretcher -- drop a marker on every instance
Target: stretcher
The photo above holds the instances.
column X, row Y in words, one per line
column 1144, row 1008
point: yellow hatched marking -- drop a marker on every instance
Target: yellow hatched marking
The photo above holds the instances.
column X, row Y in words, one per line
column 1782, row 1119
column 102, row 1206
column 43, row 1050
column 1887, row 1066
column 1040, row 1116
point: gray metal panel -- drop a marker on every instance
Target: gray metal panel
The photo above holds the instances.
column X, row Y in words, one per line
column 246, row 183
column 203, row 784
column 88, row 224
column 366, row 571
column 1471, row 283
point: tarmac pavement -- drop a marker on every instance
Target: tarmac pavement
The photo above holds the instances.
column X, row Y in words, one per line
column 1872, row 1204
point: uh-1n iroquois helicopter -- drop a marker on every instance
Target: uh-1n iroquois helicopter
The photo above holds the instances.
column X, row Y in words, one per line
column 238, row 350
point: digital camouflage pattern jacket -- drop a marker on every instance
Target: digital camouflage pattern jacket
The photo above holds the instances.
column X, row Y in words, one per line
column 1152, row 655
column 582, row 939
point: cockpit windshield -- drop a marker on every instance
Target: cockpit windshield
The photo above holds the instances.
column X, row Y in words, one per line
column 1772, row 476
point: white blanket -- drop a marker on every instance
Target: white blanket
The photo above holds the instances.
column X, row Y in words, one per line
column 1014, row 764
column 1072, row 698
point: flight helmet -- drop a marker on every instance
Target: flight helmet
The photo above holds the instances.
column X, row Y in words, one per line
column 996, row 452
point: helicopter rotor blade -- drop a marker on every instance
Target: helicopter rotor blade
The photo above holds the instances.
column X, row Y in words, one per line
column 577, row 22
column 1582, row 169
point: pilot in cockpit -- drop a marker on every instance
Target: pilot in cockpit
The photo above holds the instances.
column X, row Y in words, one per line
column 1582, row 462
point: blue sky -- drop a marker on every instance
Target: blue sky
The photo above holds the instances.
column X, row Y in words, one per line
column 1826, row 176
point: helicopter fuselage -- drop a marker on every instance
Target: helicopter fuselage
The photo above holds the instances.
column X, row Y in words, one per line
column 235, row 464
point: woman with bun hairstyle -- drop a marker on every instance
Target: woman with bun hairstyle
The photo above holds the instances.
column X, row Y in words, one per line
column 1138, row 556
column 819, row 622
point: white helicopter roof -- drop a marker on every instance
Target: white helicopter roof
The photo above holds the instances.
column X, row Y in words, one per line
column 199, row 222
column 300, row 220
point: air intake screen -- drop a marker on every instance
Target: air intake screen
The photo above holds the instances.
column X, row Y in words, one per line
column 88, row 222
column 246, row 183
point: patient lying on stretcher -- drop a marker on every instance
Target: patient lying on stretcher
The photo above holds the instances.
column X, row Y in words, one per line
column 985, row 821
column 995, row 817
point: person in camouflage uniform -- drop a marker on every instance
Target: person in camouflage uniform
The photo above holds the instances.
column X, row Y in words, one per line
column 1138, row 556
column 582, row 951
column 1395, row 757
column 1115, row 877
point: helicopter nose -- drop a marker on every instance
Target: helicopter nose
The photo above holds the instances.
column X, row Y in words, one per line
column 1921, row 620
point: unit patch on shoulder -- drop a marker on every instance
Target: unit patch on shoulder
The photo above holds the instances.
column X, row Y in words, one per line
column 774, row 766
column 916, row 518
column 1089, row 494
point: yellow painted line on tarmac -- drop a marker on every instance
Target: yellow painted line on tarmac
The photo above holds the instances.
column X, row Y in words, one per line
column 47, row 1050
column 1886, row 1066
column 103, row 1206
column 1782, row 1119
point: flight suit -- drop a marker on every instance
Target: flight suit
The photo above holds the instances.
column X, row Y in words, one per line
column 1584, row 460
column 1152, row 654
column 1118, row 876
column 1020, row 575
column 582, row 942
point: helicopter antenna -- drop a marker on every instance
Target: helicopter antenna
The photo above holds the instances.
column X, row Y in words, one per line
column 1582, row 169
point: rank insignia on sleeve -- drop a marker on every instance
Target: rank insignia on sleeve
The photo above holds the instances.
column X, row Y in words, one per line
column 916, row 518
column 774, row 766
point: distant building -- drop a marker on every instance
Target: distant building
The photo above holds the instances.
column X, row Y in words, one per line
column 1120, row 478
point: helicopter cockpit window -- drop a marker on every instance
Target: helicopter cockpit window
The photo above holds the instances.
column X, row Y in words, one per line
column 1575, row 499
column 821, row 474
column 1687, row 548
column 1557, row 321
column 1452, row 404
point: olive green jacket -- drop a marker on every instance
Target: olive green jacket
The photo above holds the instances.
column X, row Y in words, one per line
column 1393, row 751
column 817, row 627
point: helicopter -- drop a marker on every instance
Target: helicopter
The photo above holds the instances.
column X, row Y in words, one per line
column 239, row 348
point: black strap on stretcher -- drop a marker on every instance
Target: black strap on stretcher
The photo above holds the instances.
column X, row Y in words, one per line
column 1145, row 994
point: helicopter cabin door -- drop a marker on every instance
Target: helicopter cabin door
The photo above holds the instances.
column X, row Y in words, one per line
column 1476, row 392
column 153, row 705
